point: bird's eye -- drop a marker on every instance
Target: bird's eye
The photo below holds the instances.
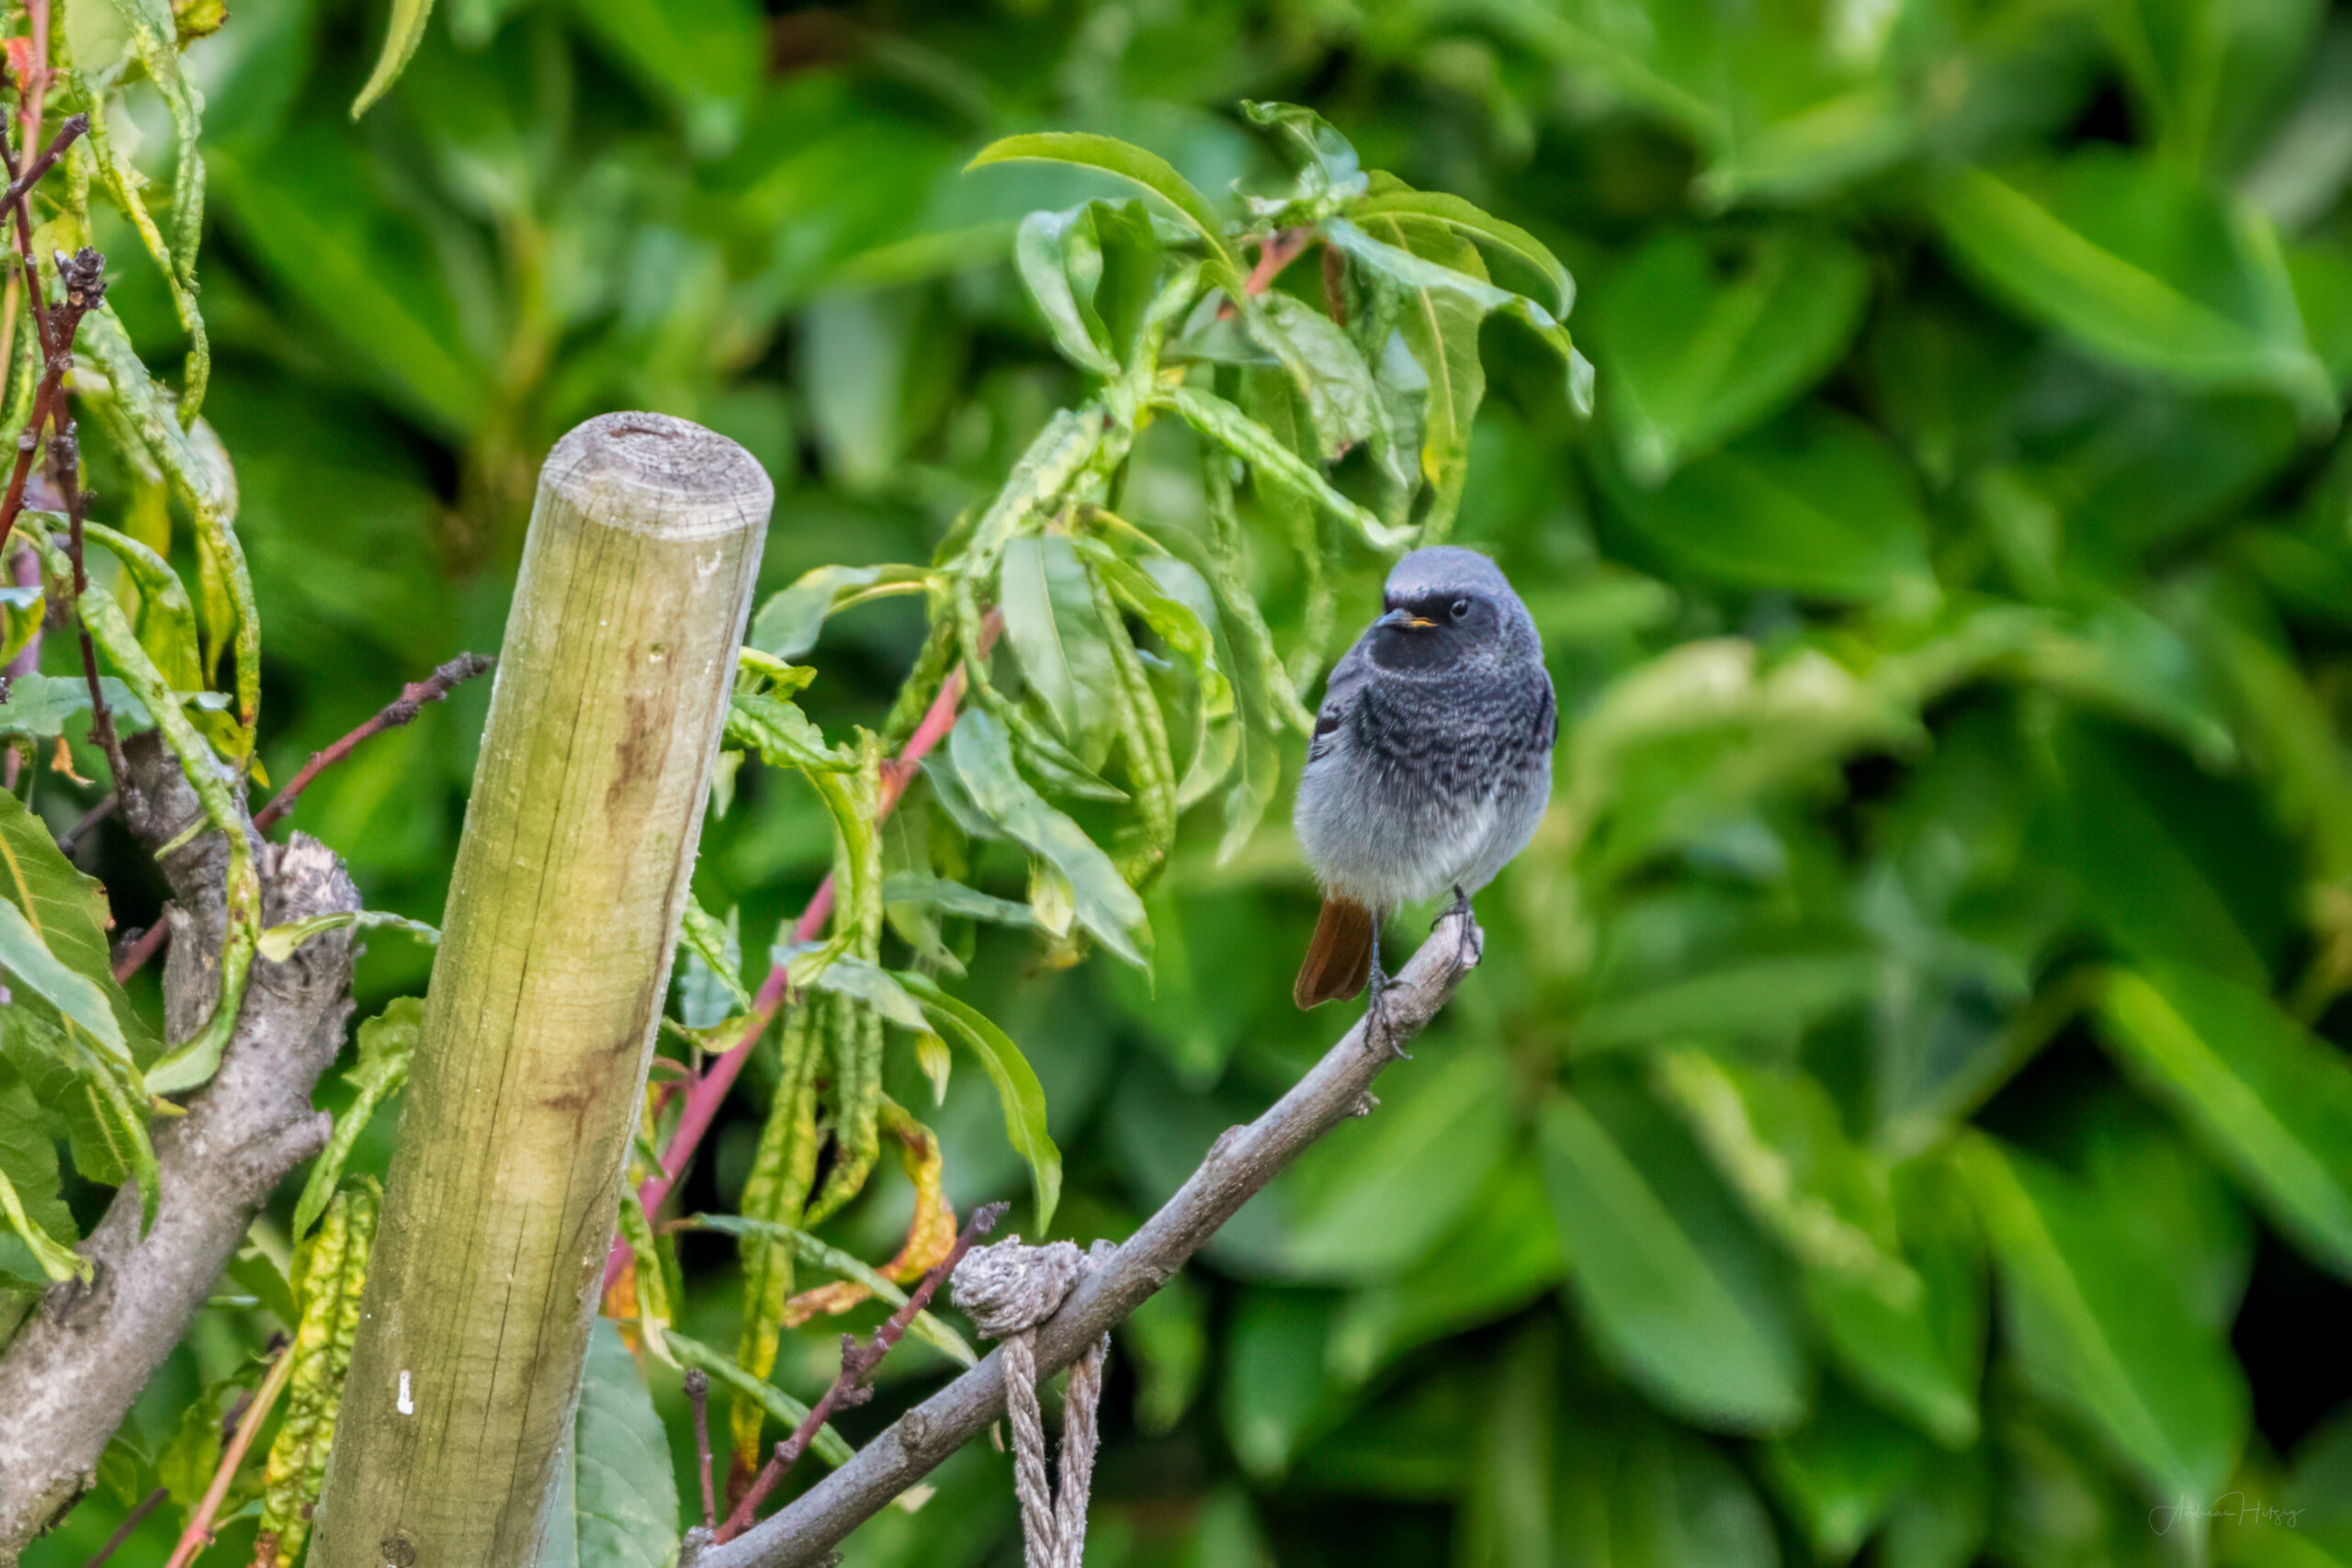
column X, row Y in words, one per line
column 1461, row 609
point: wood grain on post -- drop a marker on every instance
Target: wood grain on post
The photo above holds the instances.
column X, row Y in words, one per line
column 611, row 696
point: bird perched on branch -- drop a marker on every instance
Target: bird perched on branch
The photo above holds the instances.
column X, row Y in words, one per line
column 1432, row 761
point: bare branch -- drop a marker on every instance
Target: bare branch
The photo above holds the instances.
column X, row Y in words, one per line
column 1242, row 1161
column 401, row 710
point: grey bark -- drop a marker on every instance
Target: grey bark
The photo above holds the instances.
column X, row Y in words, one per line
column 1241, row 1162
column 74, row 1368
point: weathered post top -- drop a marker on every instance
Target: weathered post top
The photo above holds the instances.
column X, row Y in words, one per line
column 611, row 695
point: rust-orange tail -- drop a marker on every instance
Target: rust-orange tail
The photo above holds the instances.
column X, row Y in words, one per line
column 1339, row 960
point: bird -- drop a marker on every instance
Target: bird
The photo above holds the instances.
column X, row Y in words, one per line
column 1431, row 763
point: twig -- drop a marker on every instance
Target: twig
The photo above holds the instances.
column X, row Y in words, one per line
column 698, row 1395
column 134, row 957
column 199, row 1533
column 1276, row 252
column 72, row 837
column 130, row 1521
column 706, row 1093
column 65, row 467
column 21, row 186
column 857, row 1361
column 1240, row 1163
column 401, row 710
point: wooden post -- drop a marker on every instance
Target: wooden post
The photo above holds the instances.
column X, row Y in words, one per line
column 611, row 696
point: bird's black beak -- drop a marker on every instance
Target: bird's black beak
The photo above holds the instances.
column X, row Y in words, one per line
column 1403, row 620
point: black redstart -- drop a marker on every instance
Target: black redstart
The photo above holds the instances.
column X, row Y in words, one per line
column 1432, row 761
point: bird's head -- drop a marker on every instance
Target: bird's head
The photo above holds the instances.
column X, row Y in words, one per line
column 1446, row 605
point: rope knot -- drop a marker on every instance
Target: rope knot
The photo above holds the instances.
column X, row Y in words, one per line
column 1007, row 1290
column 1006, row 1287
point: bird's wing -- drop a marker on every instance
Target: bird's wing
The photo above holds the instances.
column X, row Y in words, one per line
column 1347, row 679
column 1547, row 718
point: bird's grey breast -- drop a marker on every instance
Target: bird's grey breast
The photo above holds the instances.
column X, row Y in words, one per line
column 1423, row 780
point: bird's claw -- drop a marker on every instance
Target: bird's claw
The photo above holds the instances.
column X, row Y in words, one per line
column 1376, row 1022
column 1472, row 945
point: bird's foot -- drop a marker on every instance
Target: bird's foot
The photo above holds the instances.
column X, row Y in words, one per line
column 1376, row 1035
column 1472, row 946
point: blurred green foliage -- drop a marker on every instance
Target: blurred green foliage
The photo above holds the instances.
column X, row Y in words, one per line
column 1901, row 1112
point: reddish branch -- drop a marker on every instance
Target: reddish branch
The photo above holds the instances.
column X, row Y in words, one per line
column 130, row 1521
column 401, row 710
column 849, row 1388
column 706, row 1094
column 66, row 471
column 698, row 1395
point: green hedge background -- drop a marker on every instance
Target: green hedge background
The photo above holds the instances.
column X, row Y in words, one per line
column 1902, row 1113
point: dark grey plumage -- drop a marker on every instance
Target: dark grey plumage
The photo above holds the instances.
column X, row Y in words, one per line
column 1431, row 759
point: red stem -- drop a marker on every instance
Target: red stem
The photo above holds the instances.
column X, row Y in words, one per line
column 857, row 1360
column 708, row 1092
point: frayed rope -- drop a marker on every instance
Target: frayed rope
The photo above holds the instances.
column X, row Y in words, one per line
column 1008, row 1289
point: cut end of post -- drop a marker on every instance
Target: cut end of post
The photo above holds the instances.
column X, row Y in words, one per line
column 662, row 476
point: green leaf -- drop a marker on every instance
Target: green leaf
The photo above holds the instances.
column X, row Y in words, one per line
column 1048, row 596
column 387, row 1043
column 2092, row 1337
column 1668, row 1284
column 403, row 33
column 1391, row 197
column 29, row 1187
column 613, row 1503
column 364, row 269
column 719, row 949
column 923, row 1325
column 1504, row 1253
column 1739, row 997
column 955, row 899
column 1916, row 1355
column 2138, row 263
column 1364, row 1207
column 1176, row 604
column 1438, row 321
column 27, row 962
column 1272, row 462
column 1106, row 906
column 1813, row 504
column 166, row 620
column 870, row 983
column 1331, row 378
column 1402, row 254
column 705, row 57
column 1276, row 1389
column 1017, row 1089
column 787, row 625
column 1327, row 164
column 1060, row 260
column 1699, row 353
column 39, row 706
column 1842, row 1471
column 2205, row 78
column 69, row 913
column 280, row 943
column 22, row 611
column 1131, row 164
column 781, row 733
column 2272, row 1103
